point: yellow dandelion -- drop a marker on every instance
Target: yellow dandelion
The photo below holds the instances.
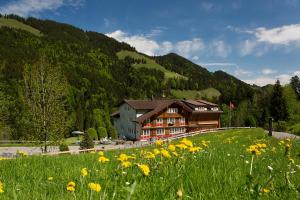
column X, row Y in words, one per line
column 172, row 147
column 144, row 169
column 50, row 178
column 149, row 155
column 103, row 159
column 194, row 149
column 1, row 187
column 84, row 172
column 126, row 164
column 159, row 142
column 187, row 142
column 101, row 153
column 71, row 186
column 156, row 151
column 95, row 187
column 265, row 190
column 2, row 158
column 175, row 153
column 122, row 157
column 165, row 153
column 181, row 146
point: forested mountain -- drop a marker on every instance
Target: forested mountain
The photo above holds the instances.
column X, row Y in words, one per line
column 97, row 78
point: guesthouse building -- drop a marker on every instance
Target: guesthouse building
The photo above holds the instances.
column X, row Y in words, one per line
column 145, row 119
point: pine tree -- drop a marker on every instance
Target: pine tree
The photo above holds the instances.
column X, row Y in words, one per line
column 279, row 110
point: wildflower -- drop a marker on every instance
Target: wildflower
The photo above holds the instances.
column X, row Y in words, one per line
column 281, row 142
column 84, row 172
column 254, row 149
column 149, row 155
column 292, row 161
column 179, row 193
column 186, row 142
column 21, row 153
column 246, row 161
column 165, row 153
column 126, row 164
column 144, row 168
column 92, row 152
column 194, row 149
column 122, row 157
column 265, row 190
column 172, row 147
column 50, row 178
column 71, row 186
column 159, row 142
column 288, row 146
column 175, row 153
column 127, row 183
column 205, row 143
column 103, row 159
column 101, row 153
column 95, row 187
column 1, row 188
column 156, row 151
column 270, row 168
column 2, row 158
column 181, row 146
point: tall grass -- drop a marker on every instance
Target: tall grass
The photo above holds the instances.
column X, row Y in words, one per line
column 219, row 171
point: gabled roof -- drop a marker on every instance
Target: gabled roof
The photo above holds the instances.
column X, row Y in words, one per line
column 146, row 104
column 115, row 114
column 160, row 106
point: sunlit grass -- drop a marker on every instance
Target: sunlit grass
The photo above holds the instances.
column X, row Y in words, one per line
column 219, row 170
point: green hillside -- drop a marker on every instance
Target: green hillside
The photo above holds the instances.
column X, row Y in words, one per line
column 293, row 103
column 210, row 94
column 12, row 23
column 149, row 63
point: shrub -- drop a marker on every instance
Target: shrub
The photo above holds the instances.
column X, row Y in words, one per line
column 63, row 147
column 102, row 132
column 93, row 133
column 280, row 126
column 87, row 142
column 113, row 133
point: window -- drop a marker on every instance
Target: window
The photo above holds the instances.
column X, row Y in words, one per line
column 159, row 120
column 200, row 109
column 160, row 131
column 172, row 110
column 182, row 120
column 171, row 120
column 214, row 108
column 177, row 130
column 146, row 132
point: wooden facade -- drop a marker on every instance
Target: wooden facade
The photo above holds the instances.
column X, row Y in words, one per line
column 165, row 118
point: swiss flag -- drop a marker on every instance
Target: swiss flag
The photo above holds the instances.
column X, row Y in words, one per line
column 231, row 105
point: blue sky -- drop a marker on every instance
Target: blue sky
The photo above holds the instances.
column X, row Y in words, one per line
column 256, row 41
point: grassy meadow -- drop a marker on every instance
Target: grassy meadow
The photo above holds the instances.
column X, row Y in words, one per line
column 209, row 93
column 208, row 166
column 12, row 23
column 150, row 63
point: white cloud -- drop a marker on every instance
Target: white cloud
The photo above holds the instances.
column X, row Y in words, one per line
column 247, row 47
column 261, row 81
column 264, row 80
column 268, row 71
column 147, row 45
column 220, row 48
column 187, row 48
column 283, row 35
column 34, row 7
column 140, row 42
column 242, row 72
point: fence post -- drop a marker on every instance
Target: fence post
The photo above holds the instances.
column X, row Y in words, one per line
column 270, row 126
